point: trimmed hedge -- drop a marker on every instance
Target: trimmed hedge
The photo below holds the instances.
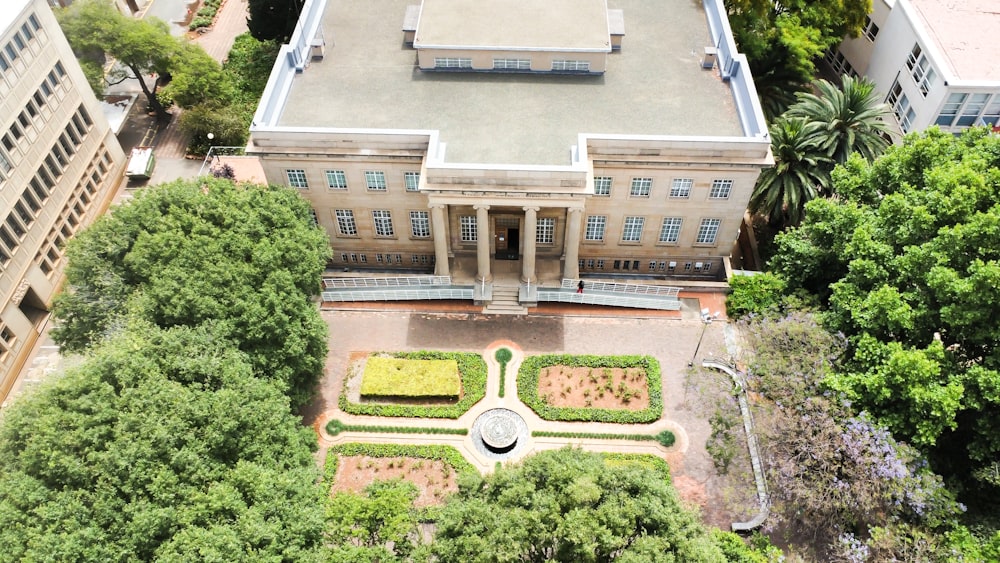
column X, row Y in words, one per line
column 405, row 378
column 446, row 454
column 665, row 438
column 527, row 388
column 472, row 369
column 335, row 427
column 503, row 355
column 658, row 464
column 206, row 14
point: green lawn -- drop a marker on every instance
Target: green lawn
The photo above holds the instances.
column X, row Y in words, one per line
column 419, row 379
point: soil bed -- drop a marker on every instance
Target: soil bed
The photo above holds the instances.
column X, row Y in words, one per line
column 433, row 478
column 606, row 388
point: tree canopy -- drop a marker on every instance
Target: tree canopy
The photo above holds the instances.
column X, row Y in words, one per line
column 162, row 445
column 273, row 19
column 245, row 257
column 908, row 260
column 569, row 505
column 98, row 32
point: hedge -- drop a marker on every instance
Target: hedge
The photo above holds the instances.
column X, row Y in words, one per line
column 471, row 368
column 405, row 378
column 335, row 427
column 658, row 464
column 665, row 438
column 527, row 388
column 503, row 355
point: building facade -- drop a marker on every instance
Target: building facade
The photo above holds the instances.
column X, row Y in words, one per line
column 60, row 165
column 933, row 60
column 629, row 149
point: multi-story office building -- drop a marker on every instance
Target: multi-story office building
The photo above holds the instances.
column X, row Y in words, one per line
column 597, row 136
column 933, row 60
column 59, row 168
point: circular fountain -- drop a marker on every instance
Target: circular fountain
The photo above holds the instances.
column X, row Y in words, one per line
column 499, row 433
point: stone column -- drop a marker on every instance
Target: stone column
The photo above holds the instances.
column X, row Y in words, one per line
column 440, row 232
column 571, row 269
column 530, row 241
column 483, row 242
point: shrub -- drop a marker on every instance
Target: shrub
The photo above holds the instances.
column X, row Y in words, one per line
column 335, row 427
column 503, row 355
column 396, row 377
column 471, row 368
column 665, row 438
column 527, row 388
column 760, row 294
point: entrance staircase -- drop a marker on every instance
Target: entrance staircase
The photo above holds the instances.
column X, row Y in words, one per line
column 505, row 301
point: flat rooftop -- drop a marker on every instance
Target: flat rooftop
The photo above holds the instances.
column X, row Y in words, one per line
column 966, row 33
column 571, row 25
column 654, row 86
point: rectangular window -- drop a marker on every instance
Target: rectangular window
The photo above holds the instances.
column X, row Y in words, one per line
column 991, row 116
column 681, row 187
column 511, row 64
column 345, row 223
column 921, row 69
column 721, row 189
column 452, row 62
column 973, row 107
column 900, row 105
column 62, row 72
column 420, row 224
column 467, row 228
column 574, row 66
column 708, row 230
column 411, row 180
column 595, row 227
column 602, row 185
column 34, row 22
column 5, row 165
column 297, row 178
column 632, row 231
column 871, row 30
column 27, row 31
column 18, row 41
column 4, row 65
column 336, row 180
column 375, row 180
column 11, row 52
column 546, row 231
column 641, row 187
column 383, row 223
column 670, row 230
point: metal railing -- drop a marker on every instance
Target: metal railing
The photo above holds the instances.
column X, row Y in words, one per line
column 589, row 297
column 629, row 288
column 394, row 281
column 391, row 294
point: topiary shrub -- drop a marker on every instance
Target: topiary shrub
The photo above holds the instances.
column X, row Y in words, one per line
column 503, row 355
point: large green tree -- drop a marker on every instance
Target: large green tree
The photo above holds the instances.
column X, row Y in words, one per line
column 273, row 19
column 163, row 445
column 912, row 257
column 246, row 257
column 98, row 33
column 570, row 505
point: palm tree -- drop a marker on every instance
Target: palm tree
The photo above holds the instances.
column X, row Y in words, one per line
column 852, row 116
column 801, row 170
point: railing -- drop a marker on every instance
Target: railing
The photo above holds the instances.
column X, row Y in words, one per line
column 395, row 281
column 387, row 294
column 664, row 303
column 629, row 288
column 216, row 151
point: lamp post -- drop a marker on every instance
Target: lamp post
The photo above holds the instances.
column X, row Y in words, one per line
column 706, row 319
column 208, row 156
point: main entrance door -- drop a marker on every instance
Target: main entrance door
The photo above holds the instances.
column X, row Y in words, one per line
column 508, row 238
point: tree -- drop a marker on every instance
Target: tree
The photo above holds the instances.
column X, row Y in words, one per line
column 363, row 527
column 273, row 19
column 853, row 118
column 162, row 445
column 799, row 172
column 97, row 31
column 246, row 257
column 758, row 294
column 569, row 505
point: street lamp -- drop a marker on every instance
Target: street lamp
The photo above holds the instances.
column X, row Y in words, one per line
column 706, row 319
column 208, row 156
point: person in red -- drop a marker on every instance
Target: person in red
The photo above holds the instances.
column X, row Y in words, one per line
column 579, row 287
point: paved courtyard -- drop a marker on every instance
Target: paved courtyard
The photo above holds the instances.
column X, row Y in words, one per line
column 671, row 341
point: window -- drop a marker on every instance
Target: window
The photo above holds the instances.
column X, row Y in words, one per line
column 602, row 185
column 921, row 70
column 27, row 31
column 670, row 230
column 721, row 189
column 708, row 230
column 871, row 30
column 336, row 180
column 297, row 178
column 681, row 187
column 5, row 165
column 641, row 187
column 412, row 181
column 900, row 107
column 420, row 224
column 595, row 227
column 575, row 66
column 467, row 227
column 34, row 22
column 632, row 231
column 4, row 65
column 973, row 107
column 375, row 180
column 383, row 223
column 546, row 231
column 452, row 62
column 511, row 64
column 11, row 52
column 839, row 62
column 345, row 223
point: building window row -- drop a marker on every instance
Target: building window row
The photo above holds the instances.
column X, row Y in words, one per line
column 679, row 187
column 631, row 264
column 387, row 258
column 14, row 49
column 511, row 64
column 900, row 105
column 574, row 66
column 967, row 109
column 839, row 62
column 670, row 229
column 920, row 69
column 452, row 62
column 375, row 180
